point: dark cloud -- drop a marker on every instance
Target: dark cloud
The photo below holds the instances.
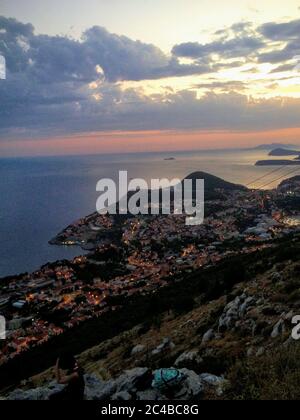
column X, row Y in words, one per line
column 287, row 34
column 48, row 92
column 124, row 59
column 131, row 110
column 269, row 43
column 50, row 59
column 14, row 27
column 238, row 41
column 281, row 31
column 233, row 48
column 281, row 54
column 48, row 77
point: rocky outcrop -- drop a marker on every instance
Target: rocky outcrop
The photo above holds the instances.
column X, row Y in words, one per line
column 166, row 345
column 135, row 384
column 235, row 311
column 35, row 394
column 218, row 383
column 279, row 329
column 208, row 336
column 189, row 358
column 137, row 349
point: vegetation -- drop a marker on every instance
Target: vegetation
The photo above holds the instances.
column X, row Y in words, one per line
column 274, row 376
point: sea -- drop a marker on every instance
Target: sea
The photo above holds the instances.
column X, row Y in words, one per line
column 42, row 195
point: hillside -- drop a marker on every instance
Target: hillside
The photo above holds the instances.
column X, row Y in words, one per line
column 213, row 182
column 235, row 323
column 290, row 181
column 214, row 186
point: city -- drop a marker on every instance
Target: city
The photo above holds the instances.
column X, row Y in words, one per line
column 61, row 295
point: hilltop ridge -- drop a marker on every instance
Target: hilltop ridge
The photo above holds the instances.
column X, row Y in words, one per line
column 213, row 182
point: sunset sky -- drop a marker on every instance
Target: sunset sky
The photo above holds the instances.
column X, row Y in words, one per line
column 144, row 75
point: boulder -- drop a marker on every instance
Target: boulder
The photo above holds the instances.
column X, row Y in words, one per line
column 250, row 352
column 191, row 388
column 96, row 389
column 37, row 394
column 189, row 359
column 166, row 345
column 102, row 393
column 122, row 396
column 260, row 352
column 128, row 383
column 276, row 277
column 279, row 329
column 135, row 384
column 149, row 395
column 217, row 382
column 235, row 311
column 208, row 336
column 134, row 380
column 137, row 349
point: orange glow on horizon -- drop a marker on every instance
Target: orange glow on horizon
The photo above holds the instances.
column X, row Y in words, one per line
column 144, row 141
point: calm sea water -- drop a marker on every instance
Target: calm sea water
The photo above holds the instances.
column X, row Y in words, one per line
column 41, row 196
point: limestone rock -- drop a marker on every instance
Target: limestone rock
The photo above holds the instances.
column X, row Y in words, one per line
column 188, row 359
column 279, row 329
column 137, row 349
column 166, row 345
column 208, row 336
column 217, row 382
column 122, row 396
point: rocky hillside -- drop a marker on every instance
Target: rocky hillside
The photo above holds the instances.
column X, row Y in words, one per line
column 134, row 384
column 237, row 346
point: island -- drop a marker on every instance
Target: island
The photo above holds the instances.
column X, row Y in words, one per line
column 284, row 152
column 273, row 146
column 277, row 163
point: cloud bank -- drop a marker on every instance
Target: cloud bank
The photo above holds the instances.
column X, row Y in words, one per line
column 57, row 85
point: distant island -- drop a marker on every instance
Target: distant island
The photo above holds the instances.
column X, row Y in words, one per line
column 172, row 158
column 274, row 146
column 278, row 163
column 284, row 152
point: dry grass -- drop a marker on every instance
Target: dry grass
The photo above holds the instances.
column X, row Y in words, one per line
column 274, row 376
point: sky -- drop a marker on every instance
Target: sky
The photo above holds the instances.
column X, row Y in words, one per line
column 129, row 75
